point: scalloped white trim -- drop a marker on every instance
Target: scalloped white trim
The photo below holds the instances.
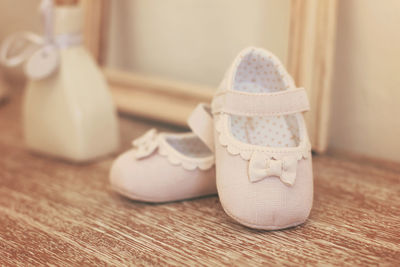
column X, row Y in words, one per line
column 151, row 141
column 235, row 147
column 177, row 158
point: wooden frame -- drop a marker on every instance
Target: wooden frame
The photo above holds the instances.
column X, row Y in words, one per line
column 310, row 60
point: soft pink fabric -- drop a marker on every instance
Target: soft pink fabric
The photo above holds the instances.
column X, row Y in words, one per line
column 267, row 204
column 262, row 186
column 155, row 179
column 261, row 104
column 201, row 123
column 169, row 166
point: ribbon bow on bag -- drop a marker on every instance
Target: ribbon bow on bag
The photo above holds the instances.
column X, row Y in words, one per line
column 262, row 166
column 40, row 54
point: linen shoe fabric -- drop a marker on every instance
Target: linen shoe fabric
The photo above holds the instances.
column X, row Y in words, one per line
column 163, row 167
column 256, row 137
column 263, row 158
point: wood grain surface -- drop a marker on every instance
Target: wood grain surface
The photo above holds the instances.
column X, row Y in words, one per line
column 3, row 88
column 56, row 213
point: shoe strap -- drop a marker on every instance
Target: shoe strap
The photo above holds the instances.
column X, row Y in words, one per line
column 261, row 104
column 201, row 123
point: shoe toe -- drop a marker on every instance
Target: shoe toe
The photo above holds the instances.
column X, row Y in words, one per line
column 155, row 179
column 125, row 175
column 268, row 204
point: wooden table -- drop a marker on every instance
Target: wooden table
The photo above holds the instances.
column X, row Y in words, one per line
column 53, row 212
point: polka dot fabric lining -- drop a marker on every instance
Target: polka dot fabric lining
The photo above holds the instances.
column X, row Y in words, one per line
column 190, row 146
column 261, row 74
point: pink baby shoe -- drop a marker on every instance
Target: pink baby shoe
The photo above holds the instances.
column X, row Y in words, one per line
column 164, row 167
column 263, row 155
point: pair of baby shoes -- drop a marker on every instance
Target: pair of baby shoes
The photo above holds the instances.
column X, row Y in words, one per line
column 251, row 148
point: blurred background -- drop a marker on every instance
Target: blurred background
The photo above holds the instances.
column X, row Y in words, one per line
column 194, row 41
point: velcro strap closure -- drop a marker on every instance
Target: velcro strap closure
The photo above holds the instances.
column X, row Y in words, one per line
column 201, row 123
column 261, row 104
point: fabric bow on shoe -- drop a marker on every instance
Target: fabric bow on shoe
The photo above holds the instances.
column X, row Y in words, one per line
column 146, row 144
column 262, row 166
